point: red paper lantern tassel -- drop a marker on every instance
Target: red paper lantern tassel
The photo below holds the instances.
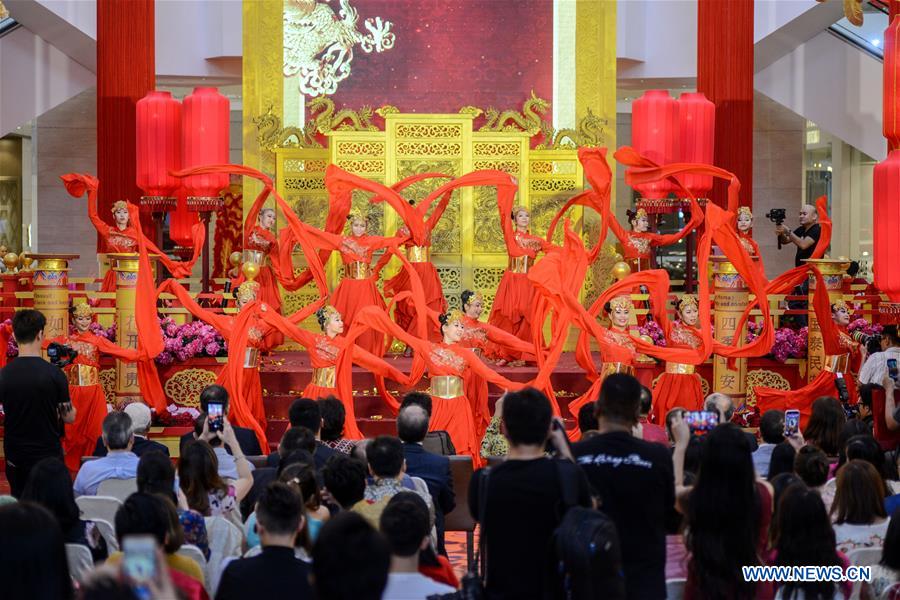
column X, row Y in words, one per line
column 158, row 149
column 654, row 134
column 886, row 205
column 205, row 142
column 696, row 139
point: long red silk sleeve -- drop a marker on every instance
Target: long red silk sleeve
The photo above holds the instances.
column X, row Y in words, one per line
column 824, row 226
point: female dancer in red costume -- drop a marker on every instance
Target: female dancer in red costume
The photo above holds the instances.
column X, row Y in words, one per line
column 261, row 248
column 449, row 365
column 123, row 236
column 84, row 384
column 744, row 227
column 679, row 385
column 513, row 303
column 839, row 348
column 638, row 243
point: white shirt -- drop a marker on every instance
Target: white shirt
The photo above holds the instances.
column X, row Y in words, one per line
column 412, row 586
column 874, row 370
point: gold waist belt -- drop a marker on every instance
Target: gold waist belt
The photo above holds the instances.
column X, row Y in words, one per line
column 251, row 358
column 83, row 375
column 639, row 264
column 324, row 377
column 357, row 270
column 418, row 254
column 837, row 363
column 520, row 264
column 447, row 386
column 679, row 368
column 616, row 367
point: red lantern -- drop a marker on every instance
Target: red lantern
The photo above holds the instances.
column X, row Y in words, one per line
column 654, row 133
column 886, row 204
column 696, row 139
column 205, row 142
column 182, row 221
column 158, row 149
column 891, row 97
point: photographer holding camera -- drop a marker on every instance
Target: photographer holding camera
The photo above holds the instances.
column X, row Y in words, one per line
column 805, row 236
column 35, row 398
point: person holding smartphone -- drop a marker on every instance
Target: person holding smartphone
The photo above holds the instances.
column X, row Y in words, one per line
column 35, row 398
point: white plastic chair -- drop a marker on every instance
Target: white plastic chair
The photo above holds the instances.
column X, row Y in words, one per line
column 863, row 557
column 118, row 488
column 108, row 531
column 98, row 507
column 80, row 561
column 225, row 540
column 888, row 593
column 675, row 589
column 194, row 553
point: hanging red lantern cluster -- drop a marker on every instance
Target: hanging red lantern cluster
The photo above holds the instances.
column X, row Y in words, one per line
column 696, row 139
column 886, row 204
column 158, row 150
column 205, row 124
column 654, row 134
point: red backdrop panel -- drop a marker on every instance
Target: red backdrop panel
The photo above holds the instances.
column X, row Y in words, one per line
column 126, row 71
column 725, row 75
column 452, row 53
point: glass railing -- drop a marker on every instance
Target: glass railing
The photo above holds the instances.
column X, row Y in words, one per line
column 868, row 37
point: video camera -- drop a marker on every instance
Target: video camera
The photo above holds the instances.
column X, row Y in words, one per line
column 777, row 216
column 60, row 354
column 872, row 342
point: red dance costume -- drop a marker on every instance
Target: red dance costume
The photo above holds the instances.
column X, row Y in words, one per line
column 679, row 385
column 86, row 393
column 263, row 242
column 514, row 300
column 449, row 366
column 126, row 240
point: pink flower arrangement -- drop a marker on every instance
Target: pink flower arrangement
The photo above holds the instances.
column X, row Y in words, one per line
column 183, row 342
column 652, row 330
column 101, row 331
column 789, row 344
column 864, row 327
column 754, row 329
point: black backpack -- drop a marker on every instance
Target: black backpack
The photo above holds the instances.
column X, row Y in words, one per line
column 586, row 549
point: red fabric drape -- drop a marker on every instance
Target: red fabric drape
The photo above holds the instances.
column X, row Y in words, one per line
column 725, row 75
column 126, row 71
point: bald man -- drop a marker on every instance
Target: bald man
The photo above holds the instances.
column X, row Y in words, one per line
column 804, row 237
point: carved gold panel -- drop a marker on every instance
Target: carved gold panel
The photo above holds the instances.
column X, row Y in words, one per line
column 108, row 383
column 184, row 387
column 764, row 378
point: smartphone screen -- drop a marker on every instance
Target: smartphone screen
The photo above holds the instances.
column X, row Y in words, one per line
column 892, row 368
column 139, row 560
column 214, row 416
column 791, row 422
column 701, row 422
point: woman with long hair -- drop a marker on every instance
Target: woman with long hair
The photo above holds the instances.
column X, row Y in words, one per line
column 826, row 420
column 33, row 560
column 860, row 520
column 887, row 572
column 719, row 542
column 50, row 485
column 680, row 385
column 203, row 488
column 802, row 535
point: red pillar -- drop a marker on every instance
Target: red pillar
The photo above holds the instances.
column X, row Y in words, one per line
column 725, row 75
column 126, row 71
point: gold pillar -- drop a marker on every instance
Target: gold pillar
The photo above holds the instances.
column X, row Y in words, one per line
column 50, row 277
column 731, row 300
column 832, row 271
column 126, row 267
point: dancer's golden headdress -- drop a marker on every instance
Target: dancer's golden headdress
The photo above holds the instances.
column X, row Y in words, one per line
column 516, row 210
column 745, row 210
column 623, row 302
column 453, row 316
column 685, row 301
column 357, row 215
column 324, row 314
column 82, row 309
column 119, row 205
column 838, row 305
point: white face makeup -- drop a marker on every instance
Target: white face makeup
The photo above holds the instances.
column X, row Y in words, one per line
column 121, row 216
column 82, row 323
column 841, row 316
column 690, row 315
column 453, row 332
column 334, row 326
column 640, row 224
column 267, row 219
column 358, row 227
column 744, row 222
column 619, row 316
column 523, row 219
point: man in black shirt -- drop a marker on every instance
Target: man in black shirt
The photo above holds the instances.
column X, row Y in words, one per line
column 523, row 502
column 268, row 575
column 636, row 484
column 35, row 398
column 246, row 437
column 804, row 237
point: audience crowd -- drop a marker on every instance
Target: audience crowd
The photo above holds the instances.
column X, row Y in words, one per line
column 629, row 510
